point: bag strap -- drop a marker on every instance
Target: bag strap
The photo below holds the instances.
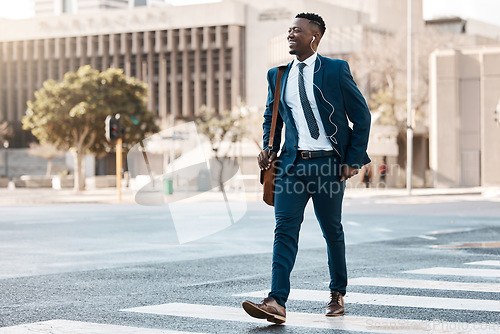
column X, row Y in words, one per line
column 276, row 103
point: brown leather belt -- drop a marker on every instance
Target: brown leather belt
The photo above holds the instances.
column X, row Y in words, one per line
column 314, row 154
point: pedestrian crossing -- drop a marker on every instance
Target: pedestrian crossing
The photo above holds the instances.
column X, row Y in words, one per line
column 392, row 300
column 319, row 321
column 486, row 263
column 459, row 278
column 445, row 271
column 424, row 284
column 59, row 326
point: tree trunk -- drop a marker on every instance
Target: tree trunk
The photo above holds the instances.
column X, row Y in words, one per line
column 49, row 167
column 79, row 171
column 222, row 189
column 221, row 173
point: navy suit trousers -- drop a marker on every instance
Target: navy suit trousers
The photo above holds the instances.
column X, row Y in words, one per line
column 319, row 179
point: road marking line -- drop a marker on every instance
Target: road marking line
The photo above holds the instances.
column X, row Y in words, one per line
column 453, row 230
column 427, row 237
column 382, row 229
column 51, row 221
column 456, row 272
column 308, row 320
column 67, row 326
column 424, row 284
column 486, row 263
column 393, row 300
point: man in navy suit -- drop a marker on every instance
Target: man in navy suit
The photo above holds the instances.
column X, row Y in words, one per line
column 321, row 151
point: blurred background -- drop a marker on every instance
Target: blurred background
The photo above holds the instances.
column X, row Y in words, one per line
column 196, row 56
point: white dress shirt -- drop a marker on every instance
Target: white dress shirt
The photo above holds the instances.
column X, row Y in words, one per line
column 292, row 99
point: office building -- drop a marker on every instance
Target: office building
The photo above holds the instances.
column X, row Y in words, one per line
column 214, row 54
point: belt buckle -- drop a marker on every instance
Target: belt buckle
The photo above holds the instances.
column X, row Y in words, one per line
column 308, row 155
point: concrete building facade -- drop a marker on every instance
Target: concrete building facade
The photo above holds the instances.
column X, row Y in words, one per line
column 464, row 135
column 185, row 65
column 214, row 54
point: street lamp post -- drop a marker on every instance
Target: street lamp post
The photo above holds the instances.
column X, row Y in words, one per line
column 6, row 157
column 409, row 123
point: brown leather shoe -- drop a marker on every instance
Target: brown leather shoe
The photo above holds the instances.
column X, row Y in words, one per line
column 268, row 309
column 336, row 305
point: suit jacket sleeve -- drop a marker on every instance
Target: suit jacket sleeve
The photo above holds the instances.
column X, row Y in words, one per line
column 268, row 114
column 359, row 114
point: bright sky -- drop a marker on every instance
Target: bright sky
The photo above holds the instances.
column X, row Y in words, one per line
column 484, row 10
column 20, row 9
column 16, row 9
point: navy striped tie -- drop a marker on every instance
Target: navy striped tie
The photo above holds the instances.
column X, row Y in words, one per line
column 308, row 113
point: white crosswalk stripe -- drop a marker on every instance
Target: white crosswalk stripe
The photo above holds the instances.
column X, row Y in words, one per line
column 486, row 263
column 427, row 237
column 443, row 271
column 392, row 300
column 424, row 284
column 308, row 320
column 79, row 327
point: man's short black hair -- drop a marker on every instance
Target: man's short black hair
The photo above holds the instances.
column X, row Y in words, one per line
column 314, row 19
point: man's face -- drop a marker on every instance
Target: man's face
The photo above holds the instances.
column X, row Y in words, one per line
column 300, row 35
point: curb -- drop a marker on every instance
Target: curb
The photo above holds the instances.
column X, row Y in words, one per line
column 23, row 196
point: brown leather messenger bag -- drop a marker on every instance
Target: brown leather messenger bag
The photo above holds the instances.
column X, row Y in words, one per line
column 268, row 176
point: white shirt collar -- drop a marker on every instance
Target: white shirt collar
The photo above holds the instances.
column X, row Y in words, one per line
column 309, row 61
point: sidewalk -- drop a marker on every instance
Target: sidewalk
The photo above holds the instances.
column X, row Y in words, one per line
column 30, row 196
column 25, row 196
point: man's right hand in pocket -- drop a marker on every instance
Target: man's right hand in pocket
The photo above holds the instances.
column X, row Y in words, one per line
column 265, row 158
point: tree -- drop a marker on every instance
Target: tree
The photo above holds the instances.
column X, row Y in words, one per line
column 253, row 118
column 222, row 130
column 45, row 151
column 70, row 114
column 381, row 64
column 5, row 131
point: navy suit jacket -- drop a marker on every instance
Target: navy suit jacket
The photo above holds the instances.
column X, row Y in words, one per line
column 334, row 86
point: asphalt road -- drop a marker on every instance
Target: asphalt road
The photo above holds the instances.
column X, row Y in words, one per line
column 119, row 268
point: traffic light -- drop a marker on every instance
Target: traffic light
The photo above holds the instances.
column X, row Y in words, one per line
column 112, row 127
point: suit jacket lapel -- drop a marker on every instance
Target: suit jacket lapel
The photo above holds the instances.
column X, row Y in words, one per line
column 284, row 80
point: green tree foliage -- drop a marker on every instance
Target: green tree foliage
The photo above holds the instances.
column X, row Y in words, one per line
column 70, row 114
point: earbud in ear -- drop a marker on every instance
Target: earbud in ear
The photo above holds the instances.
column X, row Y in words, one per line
column 314, row 37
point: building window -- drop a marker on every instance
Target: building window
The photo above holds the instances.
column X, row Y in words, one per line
column 133, row 65
column 140, row 3
column 67, row 6
column 215, row 59
column 203, row 92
